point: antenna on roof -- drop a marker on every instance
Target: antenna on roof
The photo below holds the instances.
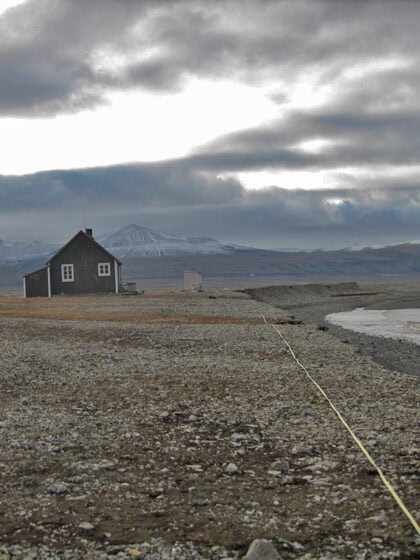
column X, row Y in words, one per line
column 87, row 230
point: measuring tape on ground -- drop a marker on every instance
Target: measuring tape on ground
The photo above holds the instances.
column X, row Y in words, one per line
column 351, row 432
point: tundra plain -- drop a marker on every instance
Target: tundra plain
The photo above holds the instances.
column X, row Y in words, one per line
column 176, row 425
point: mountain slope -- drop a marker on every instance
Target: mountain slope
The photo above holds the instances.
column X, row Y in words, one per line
column 17, row 251
column 137, row 241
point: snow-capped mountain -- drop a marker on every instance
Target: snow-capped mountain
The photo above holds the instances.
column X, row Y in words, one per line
column 130, row 241
column 137, row 241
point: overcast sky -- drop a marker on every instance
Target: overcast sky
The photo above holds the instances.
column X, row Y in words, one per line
column 271, row 123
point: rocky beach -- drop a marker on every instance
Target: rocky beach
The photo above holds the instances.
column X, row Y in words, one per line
column 312, row 303
column 178, row 426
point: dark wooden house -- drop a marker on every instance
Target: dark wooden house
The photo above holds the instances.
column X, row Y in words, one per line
column 82, row 266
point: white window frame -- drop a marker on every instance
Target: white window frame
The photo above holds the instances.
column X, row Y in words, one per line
column 104, row 269
column 67, row 273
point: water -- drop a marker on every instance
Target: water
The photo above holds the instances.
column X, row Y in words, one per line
column 395, row 323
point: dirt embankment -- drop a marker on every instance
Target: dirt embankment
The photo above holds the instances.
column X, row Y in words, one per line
column 284, row 296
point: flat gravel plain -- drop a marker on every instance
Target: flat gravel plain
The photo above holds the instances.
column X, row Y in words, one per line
column 179, row 426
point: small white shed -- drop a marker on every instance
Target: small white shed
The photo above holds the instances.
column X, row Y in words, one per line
column 192, row 281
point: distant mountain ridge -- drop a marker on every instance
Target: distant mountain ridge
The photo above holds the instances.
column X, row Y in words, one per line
column 147, row 254
column 376, row 247
column 18, row 251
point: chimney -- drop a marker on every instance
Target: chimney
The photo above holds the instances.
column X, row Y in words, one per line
column 89, row 232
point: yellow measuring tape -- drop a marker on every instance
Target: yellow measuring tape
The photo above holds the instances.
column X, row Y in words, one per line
column 353, row 435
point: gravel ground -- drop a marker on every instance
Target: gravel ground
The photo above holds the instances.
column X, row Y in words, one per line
column 179, row 426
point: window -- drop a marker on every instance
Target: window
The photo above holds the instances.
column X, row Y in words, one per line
column 67, row 273
column 104, row 269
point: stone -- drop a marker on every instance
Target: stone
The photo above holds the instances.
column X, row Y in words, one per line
column 86, row 526
column 299, row 450
column 58, row 489
column 134, row 553
column 78, row 480
column 262, row 549
column 280, row 466
column 239, row 437
column 232, row 469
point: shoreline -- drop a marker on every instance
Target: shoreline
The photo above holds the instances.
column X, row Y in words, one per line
column 394, row 354
column 397, row 324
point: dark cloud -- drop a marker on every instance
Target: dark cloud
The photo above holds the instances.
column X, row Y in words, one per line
column 50, row 52
column 358, row 139
column 177, row 198
column 63, row 55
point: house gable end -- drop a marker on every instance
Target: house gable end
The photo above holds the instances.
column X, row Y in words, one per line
column 81, row 266
column 82, row 237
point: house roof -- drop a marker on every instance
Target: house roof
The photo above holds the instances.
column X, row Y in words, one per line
column 90, row 239
column 35, row 271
